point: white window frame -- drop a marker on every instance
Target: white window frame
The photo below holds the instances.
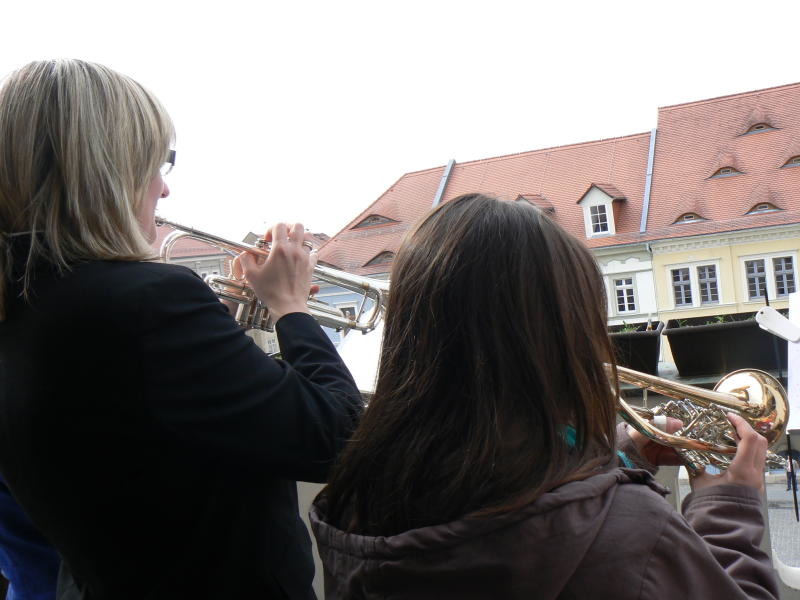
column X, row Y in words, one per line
column 699, row 284
column 683, row 282
column 597, row 197
column 694, row 284
column 613, row 288
column 770, row 273
column 598, row 216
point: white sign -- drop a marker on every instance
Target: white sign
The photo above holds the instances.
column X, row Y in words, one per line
column 794, row 368
column 361, row 353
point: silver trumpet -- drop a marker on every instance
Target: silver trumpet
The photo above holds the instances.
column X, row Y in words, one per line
column 253, row 314
column 707, row 437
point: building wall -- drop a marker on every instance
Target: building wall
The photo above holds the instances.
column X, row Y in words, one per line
column 344, row 299
column 634, row 263
column 728, row 252
column 204, row 265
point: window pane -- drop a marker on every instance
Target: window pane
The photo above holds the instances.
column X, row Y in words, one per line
column 756, row 278
column 626, row 301
column 784, row 275
column 599, row 219
column 707, row 280
column 682, row 287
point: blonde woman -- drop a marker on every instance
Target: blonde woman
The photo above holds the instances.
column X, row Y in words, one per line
column 142, row 431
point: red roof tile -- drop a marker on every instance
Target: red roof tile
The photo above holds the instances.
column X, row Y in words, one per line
column 538, row 200
column 561, row 175
column 694, row 140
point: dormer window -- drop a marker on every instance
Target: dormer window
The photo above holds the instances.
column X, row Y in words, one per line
column 762, row 207
column 725, row 172
column 793, row 162
column 759, row 127
column 374, row 220
column 384, row 258
column 600, row 205
column 688, row 218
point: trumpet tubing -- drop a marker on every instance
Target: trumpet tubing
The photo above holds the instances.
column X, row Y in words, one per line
column 707, row 437
column 252, row 313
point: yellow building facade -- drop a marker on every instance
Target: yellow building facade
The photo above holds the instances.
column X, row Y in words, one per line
column 723, row 274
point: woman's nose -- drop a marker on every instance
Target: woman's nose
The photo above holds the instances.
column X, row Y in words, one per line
column 165, row 190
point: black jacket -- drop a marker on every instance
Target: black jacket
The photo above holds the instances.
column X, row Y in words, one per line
column 154, row 444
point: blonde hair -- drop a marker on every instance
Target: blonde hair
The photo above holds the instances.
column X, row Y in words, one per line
column 79, row 146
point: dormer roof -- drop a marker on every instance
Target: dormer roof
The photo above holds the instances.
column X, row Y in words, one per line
column 374, row 220
column 689, row 205
column 758, row 116
column 725, row 158
column 608, row 189
column 792, row 150
column 761, row 194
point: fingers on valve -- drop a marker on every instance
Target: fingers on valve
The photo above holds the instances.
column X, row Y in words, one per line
column 278, row 234
column 297, row 233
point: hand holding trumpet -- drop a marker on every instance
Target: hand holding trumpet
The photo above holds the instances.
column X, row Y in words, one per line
column 746, row 468
column 282, row 280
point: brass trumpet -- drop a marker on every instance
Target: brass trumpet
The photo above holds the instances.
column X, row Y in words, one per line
column 707, row 437
column 253, row 314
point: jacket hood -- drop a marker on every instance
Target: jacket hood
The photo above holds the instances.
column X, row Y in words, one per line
column 530, row 552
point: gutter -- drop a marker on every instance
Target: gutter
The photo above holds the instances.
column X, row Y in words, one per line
column 443, row 182
column 648, row 181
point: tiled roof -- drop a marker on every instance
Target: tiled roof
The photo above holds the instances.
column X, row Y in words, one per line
column 185, row 247
column 561, row 175
column 694, row 141
column 538, row 200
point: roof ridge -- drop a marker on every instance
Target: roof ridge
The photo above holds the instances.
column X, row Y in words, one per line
column 548, row 149
column 728, row 96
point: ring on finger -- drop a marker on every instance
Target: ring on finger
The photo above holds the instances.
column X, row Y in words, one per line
column 308, row 244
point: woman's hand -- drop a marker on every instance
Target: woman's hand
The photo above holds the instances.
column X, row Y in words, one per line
column 657, row 454
column 283, row 280
column 747, row 467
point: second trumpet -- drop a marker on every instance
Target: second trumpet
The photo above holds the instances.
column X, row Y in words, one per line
column 252, row 313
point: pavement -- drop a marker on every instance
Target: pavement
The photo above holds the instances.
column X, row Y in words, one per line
column 783, row 526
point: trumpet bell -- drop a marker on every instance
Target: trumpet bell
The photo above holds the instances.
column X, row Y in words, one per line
column 768, row 407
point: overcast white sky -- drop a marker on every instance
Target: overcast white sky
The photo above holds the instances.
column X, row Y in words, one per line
column 308, row 111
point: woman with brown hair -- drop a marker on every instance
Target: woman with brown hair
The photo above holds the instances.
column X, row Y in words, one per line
column 486, row 465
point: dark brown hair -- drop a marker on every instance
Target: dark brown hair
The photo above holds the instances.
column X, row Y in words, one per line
column 494, row 346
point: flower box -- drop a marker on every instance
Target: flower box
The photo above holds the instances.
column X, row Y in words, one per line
column 639, row 349
column 702, row 348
